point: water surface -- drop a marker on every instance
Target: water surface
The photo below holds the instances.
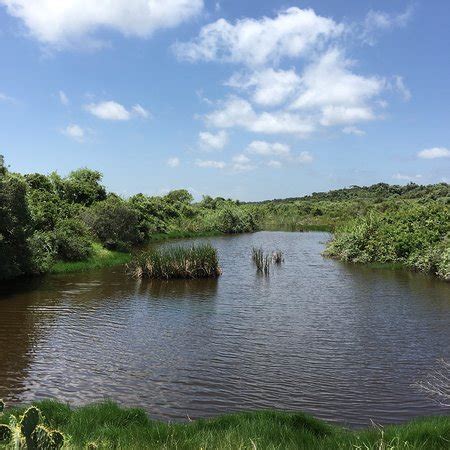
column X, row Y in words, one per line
column 342, row 342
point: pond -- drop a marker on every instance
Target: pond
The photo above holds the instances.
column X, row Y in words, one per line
column 343, row 342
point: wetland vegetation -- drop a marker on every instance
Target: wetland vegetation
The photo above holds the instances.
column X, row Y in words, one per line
column 51, row 223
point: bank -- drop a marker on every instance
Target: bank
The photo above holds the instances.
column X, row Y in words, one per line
column 106, row 425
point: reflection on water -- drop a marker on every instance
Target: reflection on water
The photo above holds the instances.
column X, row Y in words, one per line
column 340, row 341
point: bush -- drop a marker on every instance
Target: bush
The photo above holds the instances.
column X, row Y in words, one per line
column 72, row 240
column 115, row 223
column 235, row 220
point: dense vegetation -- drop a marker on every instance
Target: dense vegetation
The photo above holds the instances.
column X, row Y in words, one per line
column 54, row 223
column 109, row 426
column 198, row 261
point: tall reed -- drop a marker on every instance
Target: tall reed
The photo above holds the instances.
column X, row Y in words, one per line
column 197, row 261
column 261, row 260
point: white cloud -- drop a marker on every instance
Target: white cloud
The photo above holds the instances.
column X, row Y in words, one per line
column 140, row 111
column 255, row 42
column 75, row 132
column 63, row 23
column 264, row 148
column 63, row 98
column 339, row 95
column 274, row 164
column 7, row 98
column 213, row 141
column 237, row 112
column 435, row 152
column 173, row 162
column 109, row 110
column 241, row 163
column 353, row 130
column 339, row 115
column 270, row 87
column 377, row 21
column 210, row 164
column 401, row 87
column 403, row 177
column 304, row 158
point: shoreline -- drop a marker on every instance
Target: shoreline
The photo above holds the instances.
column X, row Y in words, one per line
column 108, row 425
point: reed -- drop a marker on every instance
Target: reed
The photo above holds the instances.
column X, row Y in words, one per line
column 262, row 260
column 277, row 257
column 197, row 261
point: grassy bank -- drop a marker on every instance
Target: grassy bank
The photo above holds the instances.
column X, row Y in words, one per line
column 109, row 426
column 101, row 257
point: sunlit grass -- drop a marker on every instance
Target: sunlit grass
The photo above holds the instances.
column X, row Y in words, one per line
column 101, row 257
column 109, row 426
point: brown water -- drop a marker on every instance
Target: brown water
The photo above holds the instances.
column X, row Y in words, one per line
column 342, row 342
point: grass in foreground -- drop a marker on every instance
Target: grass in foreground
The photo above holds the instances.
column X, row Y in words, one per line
column 197, row 261
column 101, row 257
column 109, row 426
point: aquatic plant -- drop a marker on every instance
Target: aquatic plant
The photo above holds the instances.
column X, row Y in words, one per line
column 197, row 261
column 277, row 257
column 28, row 433
column 262, row 260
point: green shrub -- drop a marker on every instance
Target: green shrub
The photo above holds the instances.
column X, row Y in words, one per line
column 115, row 223
column 72, row 240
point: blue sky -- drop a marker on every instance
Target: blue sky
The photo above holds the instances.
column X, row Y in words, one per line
column 250, row 100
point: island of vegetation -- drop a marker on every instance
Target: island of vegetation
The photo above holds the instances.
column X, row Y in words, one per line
column 50, row 223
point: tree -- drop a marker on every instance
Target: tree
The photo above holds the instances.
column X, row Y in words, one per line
column 83, row 186
column 14, row 226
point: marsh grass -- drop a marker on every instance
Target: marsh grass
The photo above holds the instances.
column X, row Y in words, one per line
column 277, row 257
column 197, row 261
column 110, row 426
column 262, row 260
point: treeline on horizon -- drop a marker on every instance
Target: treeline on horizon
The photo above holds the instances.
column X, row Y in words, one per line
column 49, row 219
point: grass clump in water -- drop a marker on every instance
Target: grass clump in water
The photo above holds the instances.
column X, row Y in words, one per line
column 197, row 261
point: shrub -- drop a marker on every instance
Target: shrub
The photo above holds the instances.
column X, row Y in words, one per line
column 72, row 240
column 115, row 223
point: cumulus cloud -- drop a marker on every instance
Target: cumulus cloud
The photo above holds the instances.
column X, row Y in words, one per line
column 304, row 158
column 403, row 177
column 75, row 132
column 401, row 88
column 140, row 111
column 237, row 112
column 435, row 152
column 242, row 163
column 264, row 148
column 63, row 98
column 111, row 110
column 108, row 110
column 377, row 21
column 353, row 130
column 210, row 164
column 65, row 23
column 173, row 162
column 256, row 42
column 340, row 95
column 213, row 141
column 274, row 164
column 269, row 87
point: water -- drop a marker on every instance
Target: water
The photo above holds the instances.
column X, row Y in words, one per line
column 342, row 342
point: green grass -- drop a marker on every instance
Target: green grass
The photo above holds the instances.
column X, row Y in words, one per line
column 101, row 257
column 110, row 426
column 197, row 261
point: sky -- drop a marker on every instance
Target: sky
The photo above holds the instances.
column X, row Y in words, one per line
column 250, row 100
